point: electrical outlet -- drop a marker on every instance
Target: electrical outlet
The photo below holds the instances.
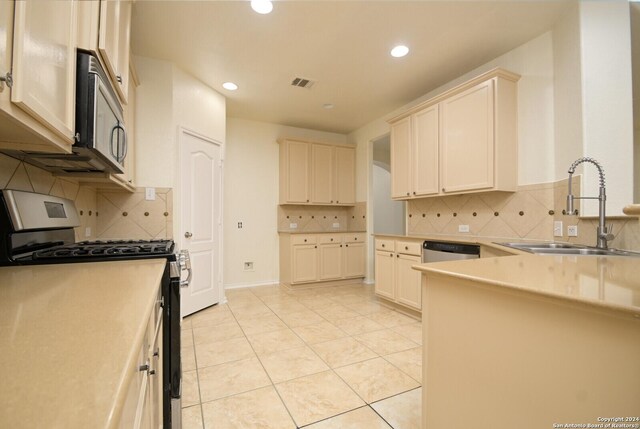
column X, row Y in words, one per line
column 463, row 228
column 150, row 194
column 239, row 225
column 87, row 231
column 336, row 225
column 248, row 266
column 293, row 226
column 572, row 230
column 557, row 228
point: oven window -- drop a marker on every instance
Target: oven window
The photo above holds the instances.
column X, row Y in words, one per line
column 55, row 210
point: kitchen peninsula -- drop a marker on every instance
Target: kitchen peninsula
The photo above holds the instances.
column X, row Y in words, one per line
column 530, row 341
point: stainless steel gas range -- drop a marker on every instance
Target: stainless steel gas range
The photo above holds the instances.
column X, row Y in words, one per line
column 38, row 229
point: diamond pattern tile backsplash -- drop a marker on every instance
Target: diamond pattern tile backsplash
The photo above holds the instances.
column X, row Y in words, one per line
column 20, row 176
column 128, row 215
column 104, row 214
column 322, row 218
column 528, row 213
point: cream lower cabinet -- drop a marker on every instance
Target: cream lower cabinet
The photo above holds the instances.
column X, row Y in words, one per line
column 38, row 53
column 395, row 279
column 304, row 263
column 311, row 258
column 143, row 406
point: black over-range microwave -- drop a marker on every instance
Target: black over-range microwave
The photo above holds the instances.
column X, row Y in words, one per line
column 101, row 138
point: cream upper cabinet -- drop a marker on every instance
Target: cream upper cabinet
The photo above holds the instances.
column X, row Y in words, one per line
column 130, row 120
column 113, row 42
column 37, row 50
column 426, row 138
column 401, row 158
column 467, row 139
column 464, row 140
column 345, row 183
column 294, row 172
column 316, row 173
column 322, row 174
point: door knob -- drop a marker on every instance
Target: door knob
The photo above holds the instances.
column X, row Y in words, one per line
column 188, row 234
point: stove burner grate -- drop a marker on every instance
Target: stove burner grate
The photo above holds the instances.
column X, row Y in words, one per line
column 110, row 248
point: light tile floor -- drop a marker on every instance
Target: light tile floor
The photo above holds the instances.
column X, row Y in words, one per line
column 325, row 358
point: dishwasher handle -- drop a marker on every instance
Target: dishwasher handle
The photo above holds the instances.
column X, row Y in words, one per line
column 440, row 246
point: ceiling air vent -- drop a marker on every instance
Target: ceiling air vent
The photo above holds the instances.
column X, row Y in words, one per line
column 302, row 82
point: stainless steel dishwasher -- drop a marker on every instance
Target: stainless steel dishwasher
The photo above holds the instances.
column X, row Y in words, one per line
column 437, row 251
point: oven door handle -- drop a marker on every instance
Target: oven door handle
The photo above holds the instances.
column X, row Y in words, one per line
column 185, row 264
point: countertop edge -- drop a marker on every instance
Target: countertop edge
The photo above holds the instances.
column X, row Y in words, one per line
column 432, row 268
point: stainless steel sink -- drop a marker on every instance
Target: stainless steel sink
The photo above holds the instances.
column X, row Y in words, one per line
column 567, row 249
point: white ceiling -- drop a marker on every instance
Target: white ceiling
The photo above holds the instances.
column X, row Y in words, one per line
column 343, row 45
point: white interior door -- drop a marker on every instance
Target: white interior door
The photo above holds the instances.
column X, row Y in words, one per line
column 201, row 224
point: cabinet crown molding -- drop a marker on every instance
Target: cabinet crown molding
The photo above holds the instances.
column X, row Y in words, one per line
column 491, row 74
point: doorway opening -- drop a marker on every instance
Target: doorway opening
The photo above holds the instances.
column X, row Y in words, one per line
column 388, row 215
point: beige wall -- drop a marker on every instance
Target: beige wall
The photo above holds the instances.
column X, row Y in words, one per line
column 607, row 106
column 169, row 99
column 251, row 197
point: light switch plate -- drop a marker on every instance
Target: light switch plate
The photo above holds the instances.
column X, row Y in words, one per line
column 87, row 231
column 150, row 194
column 336, row 225
column 293, row 226
column 557, row 228
column 463, row 228
column 572, row 230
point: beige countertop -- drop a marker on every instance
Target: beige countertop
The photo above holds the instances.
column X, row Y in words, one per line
column 482, row 241
column 69, row 336
column 612, row 282
column 321, row 232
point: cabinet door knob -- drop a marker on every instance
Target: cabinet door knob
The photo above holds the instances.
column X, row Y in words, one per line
column 347, row 245
column 144, row 367
column 337, row 202
column 391, row 254
column 188, row 234
column 397, row 256
column 442, row 189
column 119, row 78
column 305, row 240
column 332, row 239
column 315, row 247
column 341, row 245
column 408, row 194
column 406, row 247
column 383, row 245
column 331, row 201
column 414, row 192
column 307, row 200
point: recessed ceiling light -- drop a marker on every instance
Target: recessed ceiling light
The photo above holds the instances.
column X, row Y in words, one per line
column 230, row 86
column 328, row 106
column 399, row 51
column 262, row 6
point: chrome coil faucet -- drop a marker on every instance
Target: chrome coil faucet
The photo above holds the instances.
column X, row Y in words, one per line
column 603, row 233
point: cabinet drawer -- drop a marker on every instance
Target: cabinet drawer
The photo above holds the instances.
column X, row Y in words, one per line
column 330, row 238
column 409, row 247
column 355, row 238
column 303, row 239
column 382, row 244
